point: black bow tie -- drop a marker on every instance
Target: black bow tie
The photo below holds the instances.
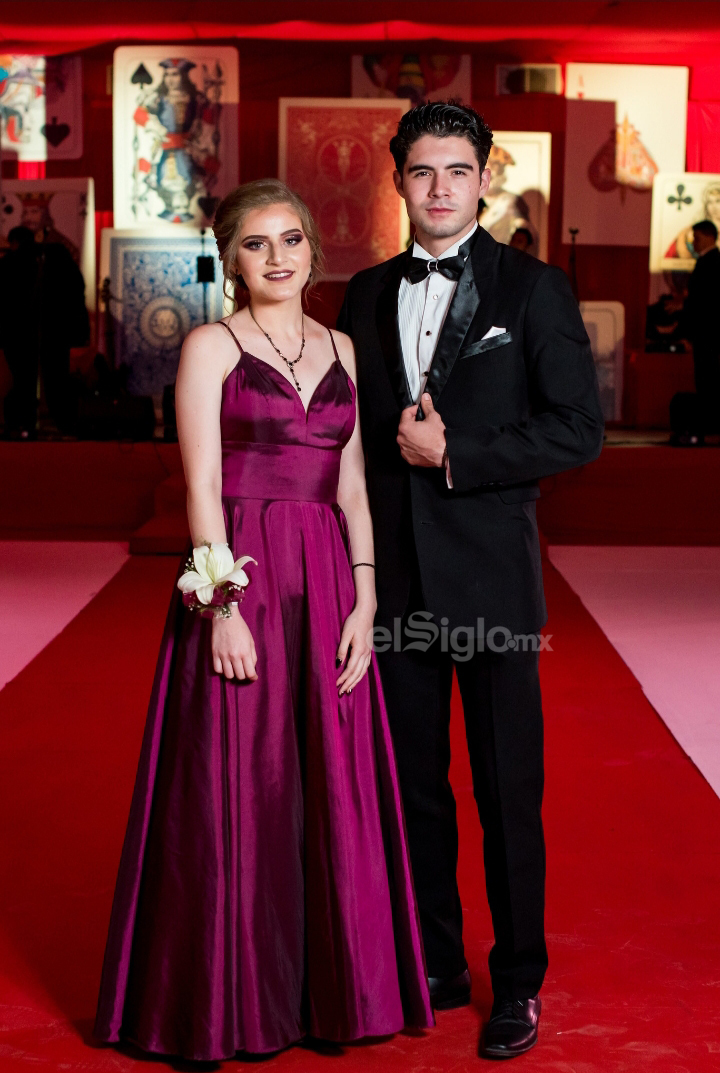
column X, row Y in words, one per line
column 419, row 268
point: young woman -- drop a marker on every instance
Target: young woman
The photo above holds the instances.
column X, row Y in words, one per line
column 264, row 889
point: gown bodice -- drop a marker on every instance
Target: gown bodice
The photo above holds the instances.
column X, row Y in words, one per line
column 272, row 448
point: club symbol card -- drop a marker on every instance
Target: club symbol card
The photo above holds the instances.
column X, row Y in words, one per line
column 680, row 200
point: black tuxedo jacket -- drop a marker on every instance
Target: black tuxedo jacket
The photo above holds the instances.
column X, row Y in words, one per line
column 700, row 310
column 516, row 407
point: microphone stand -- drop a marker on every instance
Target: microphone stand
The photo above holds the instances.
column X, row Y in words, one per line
column 572, row 266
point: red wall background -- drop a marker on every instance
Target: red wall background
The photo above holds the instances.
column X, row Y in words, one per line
column 312, row 58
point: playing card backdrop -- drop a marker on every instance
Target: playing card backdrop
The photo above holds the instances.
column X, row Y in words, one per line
column 680, row 200
column 605, row 325
column 41, row 107
column 175, row 134
column 64, row 209
column 156, row 300
column 519, row 193
column 416, row 77
column 613, row 152
column 335, row 154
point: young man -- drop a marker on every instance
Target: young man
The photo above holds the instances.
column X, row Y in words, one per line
column 701, row 326
column 490, row 342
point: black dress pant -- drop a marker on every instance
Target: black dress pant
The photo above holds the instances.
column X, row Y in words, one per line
column 706, row 358
column 503, row 723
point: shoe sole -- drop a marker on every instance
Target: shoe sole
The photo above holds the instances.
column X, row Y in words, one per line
column 452, row 1003
column 501, row 1056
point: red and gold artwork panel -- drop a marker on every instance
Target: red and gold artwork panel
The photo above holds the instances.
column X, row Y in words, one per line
column 335, row 154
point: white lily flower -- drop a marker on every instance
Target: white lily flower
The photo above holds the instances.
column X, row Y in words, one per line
column 214, row 566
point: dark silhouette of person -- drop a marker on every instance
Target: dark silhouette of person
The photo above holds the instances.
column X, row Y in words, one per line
column 664, row 321
column 42, row 315
column 702, row 324
column 521, row 239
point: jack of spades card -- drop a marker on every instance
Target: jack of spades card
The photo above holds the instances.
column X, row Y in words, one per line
column 175, row 136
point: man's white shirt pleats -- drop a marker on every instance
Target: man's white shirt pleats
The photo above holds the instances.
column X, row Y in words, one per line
column 422, row 309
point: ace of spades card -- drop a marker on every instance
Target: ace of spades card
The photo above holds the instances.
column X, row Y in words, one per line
column 63, row 128
column 335, row 154
column 624, row 123
column 175, row 134
column 41, row 107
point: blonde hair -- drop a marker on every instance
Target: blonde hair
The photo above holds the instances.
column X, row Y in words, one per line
column 260, row 194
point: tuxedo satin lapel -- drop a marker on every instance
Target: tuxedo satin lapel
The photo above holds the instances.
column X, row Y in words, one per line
column 389, row 332
column 471, row 290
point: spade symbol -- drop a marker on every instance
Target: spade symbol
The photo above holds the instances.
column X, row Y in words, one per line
column 601, row 169
column 55, row 132
column 142, row 76
column 208, row 206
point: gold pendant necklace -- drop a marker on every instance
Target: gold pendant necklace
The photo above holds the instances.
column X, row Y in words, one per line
column 287, row 361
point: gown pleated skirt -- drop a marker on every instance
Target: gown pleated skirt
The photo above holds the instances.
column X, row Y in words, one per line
column 265, row 890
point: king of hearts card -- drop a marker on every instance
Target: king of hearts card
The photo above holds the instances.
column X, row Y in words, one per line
column 175, row 134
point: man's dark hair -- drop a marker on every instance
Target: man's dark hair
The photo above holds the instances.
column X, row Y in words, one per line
column 441, row 119
column 706, row 227
column 526, row 232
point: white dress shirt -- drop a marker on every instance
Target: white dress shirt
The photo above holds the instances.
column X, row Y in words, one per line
column 422, row 308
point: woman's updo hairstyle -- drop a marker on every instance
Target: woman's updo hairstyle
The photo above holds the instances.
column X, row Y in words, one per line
column 260, row 194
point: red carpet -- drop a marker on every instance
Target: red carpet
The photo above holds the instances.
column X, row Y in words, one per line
column 632, row 830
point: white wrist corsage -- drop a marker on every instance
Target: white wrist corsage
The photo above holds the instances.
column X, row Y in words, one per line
column 212, row 582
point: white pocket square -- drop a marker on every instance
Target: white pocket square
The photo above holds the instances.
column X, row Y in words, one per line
column 493, row 331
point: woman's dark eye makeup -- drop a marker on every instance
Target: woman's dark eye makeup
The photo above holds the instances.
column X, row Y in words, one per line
column 257, row 243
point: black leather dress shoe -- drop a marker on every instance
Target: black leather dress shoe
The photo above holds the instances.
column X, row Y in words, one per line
column 449, row 992
column 512, row 1028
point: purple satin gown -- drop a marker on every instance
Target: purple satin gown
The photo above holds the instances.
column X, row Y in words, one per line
column 264, row 889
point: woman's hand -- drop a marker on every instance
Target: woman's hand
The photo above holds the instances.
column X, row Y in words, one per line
column 233, row 648
column 356, row 637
